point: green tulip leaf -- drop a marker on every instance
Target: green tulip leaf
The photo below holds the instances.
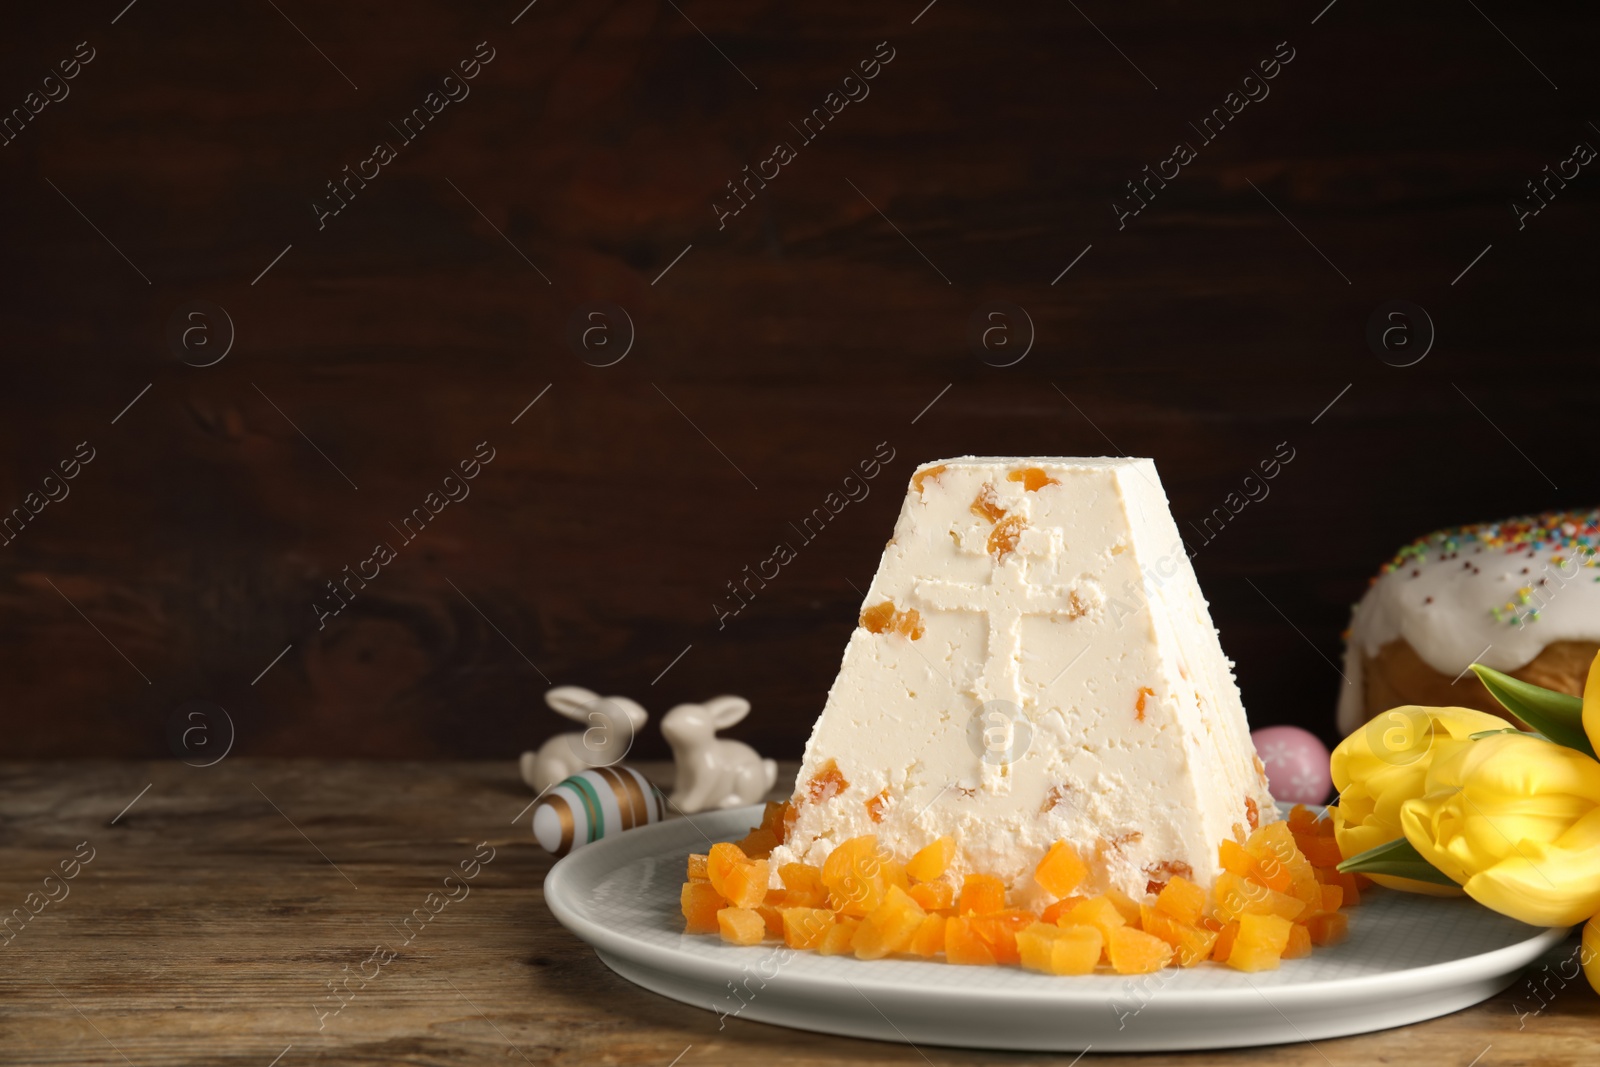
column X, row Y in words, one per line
column 1558, row 716
column 1398, row 858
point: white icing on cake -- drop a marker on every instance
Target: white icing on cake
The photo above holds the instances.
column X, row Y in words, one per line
column 1094, row 627
column 1493, row 593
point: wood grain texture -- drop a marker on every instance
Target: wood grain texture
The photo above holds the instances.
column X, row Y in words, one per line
column 215, row 911
column 777, row 352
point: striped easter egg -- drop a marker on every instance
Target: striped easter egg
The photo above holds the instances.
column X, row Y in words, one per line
column 593, row 804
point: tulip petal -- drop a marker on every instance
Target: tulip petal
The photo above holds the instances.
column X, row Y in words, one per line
column 1591, row 703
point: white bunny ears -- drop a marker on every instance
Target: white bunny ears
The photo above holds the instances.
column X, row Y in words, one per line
column 712, row 772
column 613, row 724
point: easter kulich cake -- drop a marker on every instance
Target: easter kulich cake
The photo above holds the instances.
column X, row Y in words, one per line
column 1521, row 595
column 1034, row 752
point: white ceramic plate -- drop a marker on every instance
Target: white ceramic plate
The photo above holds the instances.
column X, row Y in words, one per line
column 1408, row 958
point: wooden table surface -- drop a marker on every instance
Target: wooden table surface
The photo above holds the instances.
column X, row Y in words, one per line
column 217, row 905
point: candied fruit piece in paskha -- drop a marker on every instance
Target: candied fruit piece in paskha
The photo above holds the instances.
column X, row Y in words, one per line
column 1061, row 871
column 741, row 926
column 933, row 896
column 932, row 860
column 1032, row 478
column 700, row 904
column 1052, row 949
column 963, row 945
column 1136, row 952
column 1260, row 944
column 1182, row 899
column 981, row 894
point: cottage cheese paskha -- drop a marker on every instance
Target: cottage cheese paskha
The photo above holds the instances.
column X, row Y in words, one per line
column 1034, row 662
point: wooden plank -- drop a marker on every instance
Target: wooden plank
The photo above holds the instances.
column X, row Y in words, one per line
column 797, row 336
column 215, row 912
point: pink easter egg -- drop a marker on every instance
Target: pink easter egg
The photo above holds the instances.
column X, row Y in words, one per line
column 1296, row 762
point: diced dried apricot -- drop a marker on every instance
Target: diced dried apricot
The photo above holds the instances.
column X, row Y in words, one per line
column 853, row 873
column 1126, row 906
column 1301, row 818
column 931, row 861
column 1332, row 898
column 745, row 886
column 758, row 843
column 840, row 936
column 1190, row 944
column 1097, row 912
column 1225, row 939
column 962, row 944
column 803, row 884
column 981, row 894
column 773, row 917
column 700, row 904
column 805, row 927
column 999, row 931
column 1235, row 859
column 697, row 868
column 890, row 927
column 1299, row 943
column 1054, row 912
column 1235, row 897
column 928, row 941
column 1053, row 949
column 1061, row 871
column 1320, row 851
column 933, row 896
column 1260, row 944
column 1346, row 883
column 722, row 860
column 741, row 926
column 775, row 817
column 1182, row 899
column 1136, row 952
column 1328, row 929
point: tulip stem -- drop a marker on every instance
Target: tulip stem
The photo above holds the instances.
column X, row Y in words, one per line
column 1398, row 858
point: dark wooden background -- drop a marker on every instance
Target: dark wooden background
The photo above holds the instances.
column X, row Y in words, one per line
column 419, row 322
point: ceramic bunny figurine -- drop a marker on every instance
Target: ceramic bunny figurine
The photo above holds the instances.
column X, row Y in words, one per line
column 713, row 773
column 613, row 724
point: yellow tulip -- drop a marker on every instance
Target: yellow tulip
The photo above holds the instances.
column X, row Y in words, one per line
column 1514, row 819
column 1591, row 704
column 1384, row 764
